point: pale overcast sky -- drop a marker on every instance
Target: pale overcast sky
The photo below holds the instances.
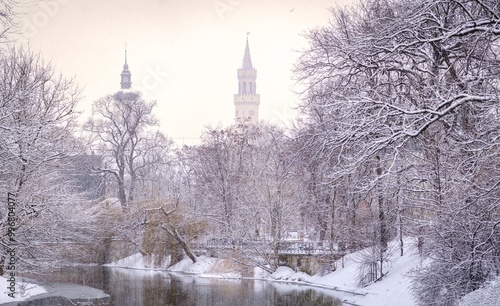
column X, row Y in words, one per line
column 184, row 54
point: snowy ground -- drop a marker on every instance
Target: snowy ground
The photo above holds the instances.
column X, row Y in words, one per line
column 137, row 261
column 23, row 291
column 64, row 292
column 489, row 295
column 204, row 267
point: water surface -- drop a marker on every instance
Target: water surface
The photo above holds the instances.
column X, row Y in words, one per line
column 148, row 288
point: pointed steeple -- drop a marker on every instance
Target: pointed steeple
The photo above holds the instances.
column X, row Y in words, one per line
column 247, row 59
column 247, row 101
column 125, row 65
column 126, row 76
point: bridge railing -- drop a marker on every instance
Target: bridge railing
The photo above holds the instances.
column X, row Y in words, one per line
column 286, row 247
column 305, row 247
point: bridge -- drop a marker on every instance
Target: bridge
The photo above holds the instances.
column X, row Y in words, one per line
column 306, row 256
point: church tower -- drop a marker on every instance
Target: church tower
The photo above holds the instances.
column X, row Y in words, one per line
column 126, row 76
column 246, row 101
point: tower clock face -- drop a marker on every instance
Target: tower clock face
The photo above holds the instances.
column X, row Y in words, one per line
column 251, row 113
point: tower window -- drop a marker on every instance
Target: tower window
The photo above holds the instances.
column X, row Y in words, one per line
column 251, row 87
column 244, row 87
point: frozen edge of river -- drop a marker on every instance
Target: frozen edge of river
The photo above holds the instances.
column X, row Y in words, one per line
column 59, row 292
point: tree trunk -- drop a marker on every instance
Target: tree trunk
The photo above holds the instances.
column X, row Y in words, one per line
column 131, row 189
column 174, row 233
column 332, row 221
column 400, row 218
column 121, row 194
column 384, row 239
column 2, row 261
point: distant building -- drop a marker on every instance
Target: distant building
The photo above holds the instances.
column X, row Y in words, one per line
column 126, row 76
column 81, row 174
column 126, row 92
column 246, row 101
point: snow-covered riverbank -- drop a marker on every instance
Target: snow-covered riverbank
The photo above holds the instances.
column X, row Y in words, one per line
column 23, row 291
column 60, row 292
column 392, row 290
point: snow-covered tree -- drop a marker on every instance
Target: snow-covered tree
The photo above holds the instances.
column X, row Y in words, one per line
column 122, row 132
column 37, row 121
column 274, row 191
column 408, row 90
column 8, row 22
column 221, row 179
column 243, row 180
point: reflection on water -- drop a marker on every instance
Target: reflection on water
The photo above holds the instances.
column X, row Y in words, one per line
column 136, row 287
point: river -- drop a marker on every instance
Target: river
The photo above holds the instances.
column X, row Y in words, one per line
column 148, row 288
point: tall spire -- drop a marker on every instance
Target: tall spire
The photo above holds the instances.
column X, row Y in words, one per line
column 126, row 76
column 247, row 101
column 247, row 59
